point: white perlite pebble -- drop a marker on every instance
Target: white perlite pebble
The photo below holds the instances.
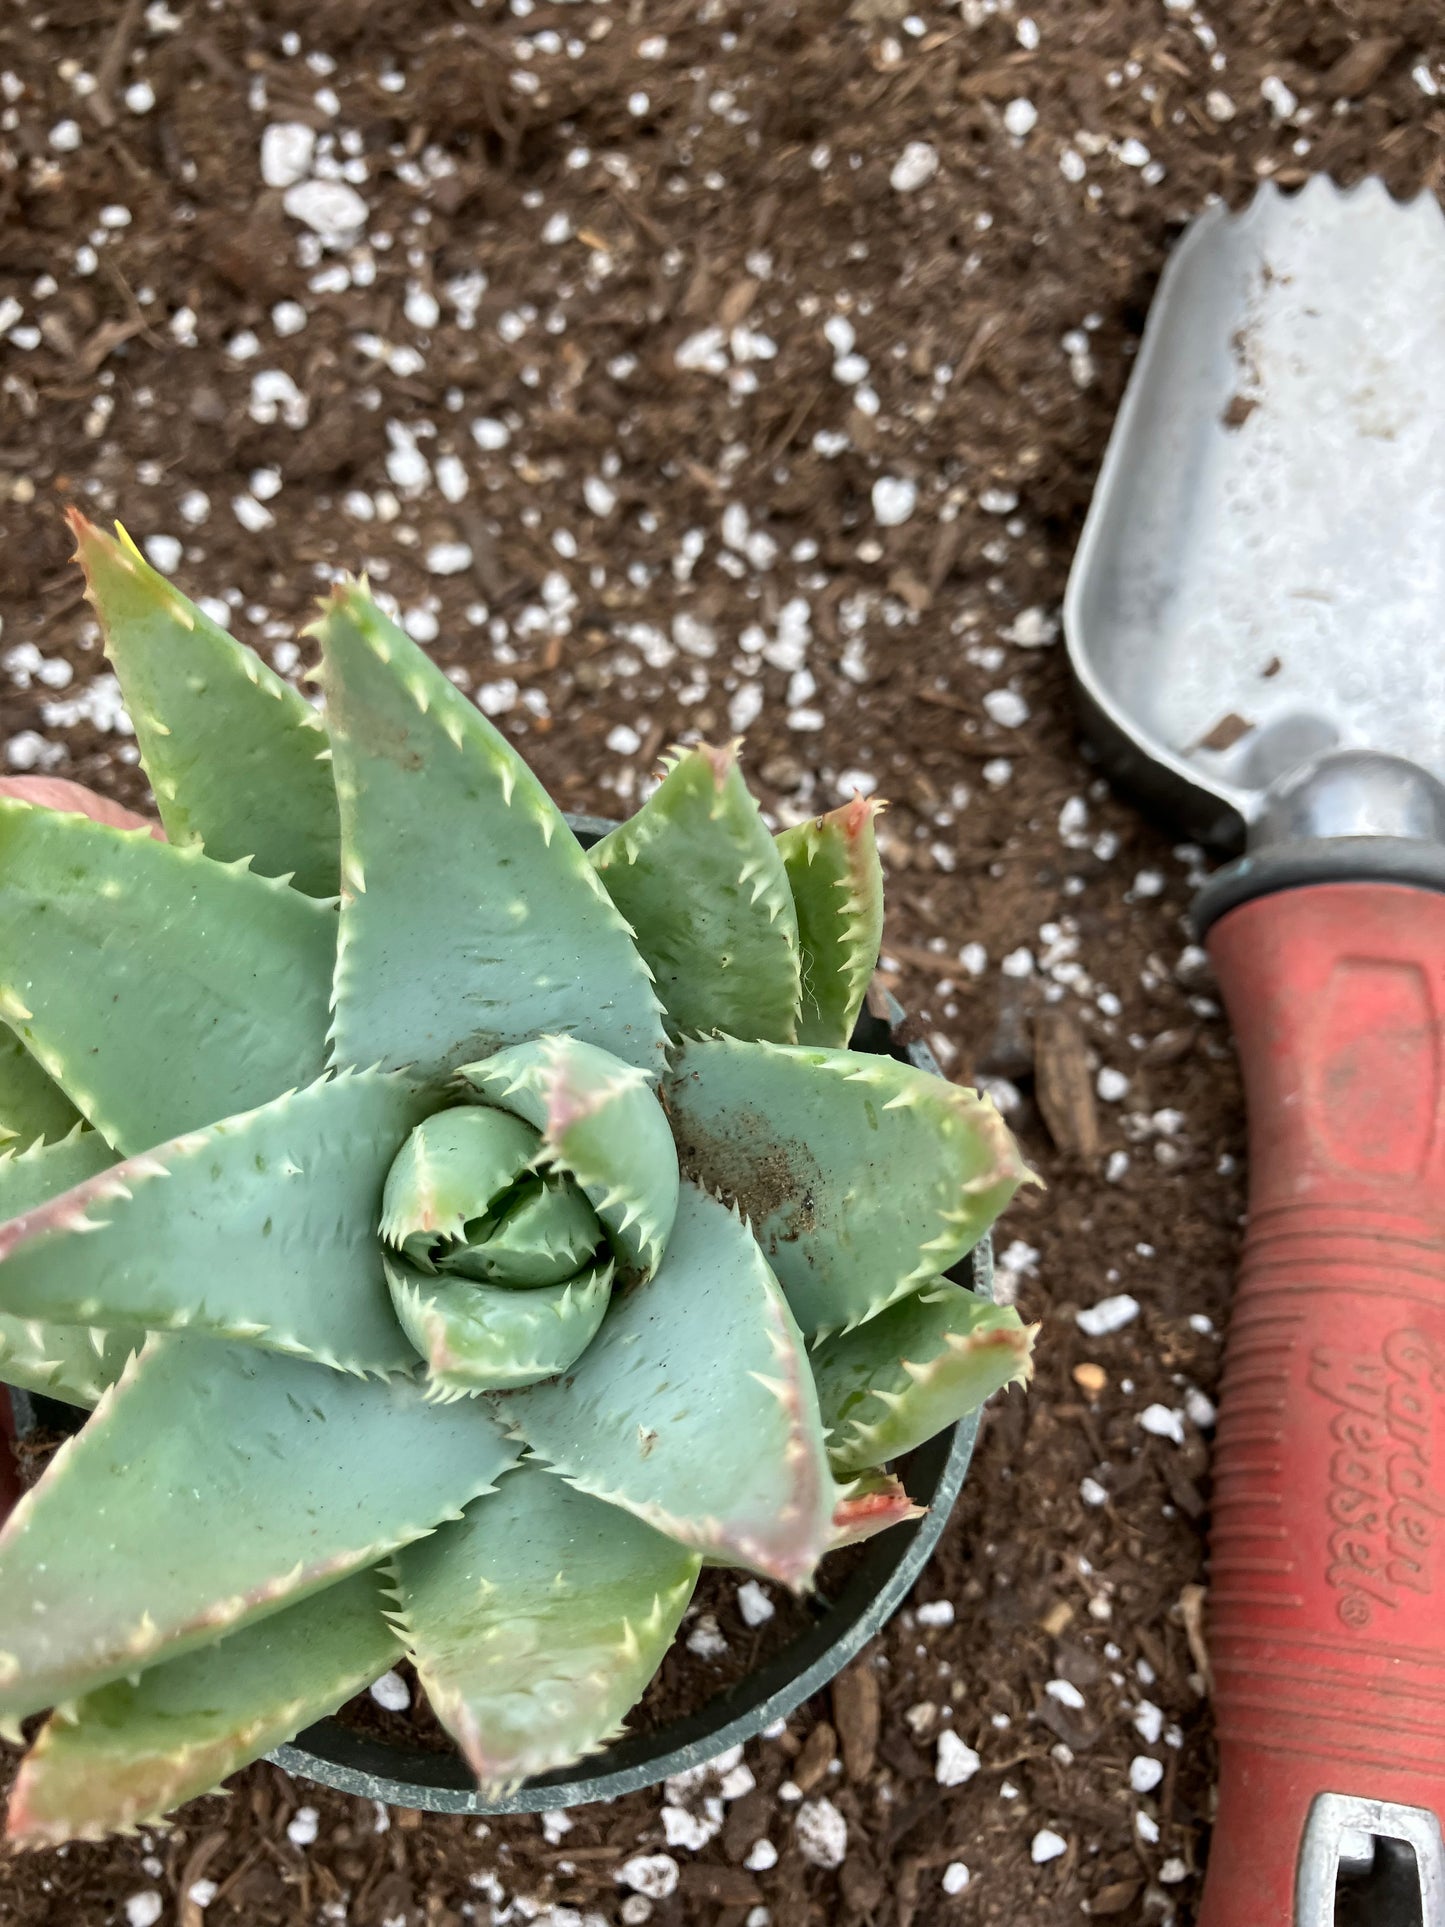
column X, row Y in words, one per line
column 1111, row 1085
column 1148, row 1722
column 1281, row 102
column 1109, row 1315
column 754, row 1604
column 1163, row 1423
column 623, row 740
column 333, row 211
column 1200, row 1409
column 955, row 1877
column 636, row 1909
column 937, row 1612
column 164, row 552
column 761, row 1855
column 1145, row 1773
column 821, row 1833
column 653, row 1874
column 201, row 1893
column 140, row 97
column 144, row 1910
column 956, row 1761
column 706, row 1638
column 1031, row 629
column 1092, row 1493
column 1066, row 1693
column 894, row 499
column 490, row 434
column 1020, row 117
column 1006, row 708
column 448, row 558
column 1046, row 1845
column 392, row 1692
column 286, row 153
column 691, row 1831
column 303, row 1828
column 914, row 168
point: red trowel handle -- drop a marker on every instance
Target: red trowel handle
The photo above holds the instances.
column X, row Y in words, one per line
column 1327, row 1591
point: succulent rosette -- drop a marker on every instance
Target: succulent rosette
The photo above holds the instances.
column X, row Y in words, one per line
column 460, row 1235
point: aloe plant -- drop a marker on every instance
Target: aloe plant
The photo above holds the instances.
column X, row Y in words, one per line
column 461, row 1236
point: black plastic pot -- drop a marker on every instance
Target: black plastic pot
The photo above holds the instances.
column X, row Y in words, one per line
column 440, row 1782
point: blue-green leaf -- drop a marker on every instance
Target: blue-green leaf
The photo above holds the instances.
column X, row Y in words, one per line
column 702, row 883
column 536, row 1621
column 236, row 757
column 214, row 1485
column 32, row 1105
column 602, row 1125
column 470, row 917
column 837, row 885
column 919, row 1366
column 160, row 990
column 127, row 1753
column 262, row 1228
column 64, row 1361
column 478, row 1337
column 862, row 1178
column 694, row 1408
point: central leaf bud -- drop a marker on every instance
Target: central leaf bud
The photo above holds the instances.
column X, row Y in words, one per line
column 465, row 1198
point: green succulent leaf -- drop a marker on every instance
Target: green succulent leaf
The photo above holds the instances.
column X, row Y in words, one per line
column 917, row 1367
column 41, row 1171
column 236, row 757
column 64, row 1361
column 703, row 885
column 128, row 1752
column 694, row 1408
column 32, row 1105
column 602, row 1125
column 545, row 1236
column 868, row 1505
column 479, row 1337
column 863, row 1178
column 837, row 884
column 536, row 1621
column 451, row 1168
column 452, row 851
column 159, row 989
column 262, row 1228
column 213, row 1486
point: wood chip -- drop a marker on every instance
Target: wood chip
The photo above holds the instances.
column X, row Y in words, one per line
column 820, row 1749
column 1090, row 1378
column 1356, row 71
column 723, row 1885
column 1117, row 1898
column 856, row 1714
column 1063, row 1084
column 1056, row 1618
column 1225, row 733
column 1191, row 1611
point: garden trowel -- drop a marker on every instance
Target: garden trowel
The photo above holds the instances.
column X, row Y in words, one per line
column 1256, row 620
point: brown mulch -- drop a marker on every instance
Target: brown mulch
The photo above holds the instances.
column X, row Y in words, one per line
column 572, row 403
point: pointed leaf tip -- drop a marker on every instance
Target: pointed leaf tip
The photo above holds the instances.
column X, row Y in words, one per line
column 702, row 884
column 455, row 837
column 537, row 1620
column 694, row 1407
column 232, row 750
column 863, row 1178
